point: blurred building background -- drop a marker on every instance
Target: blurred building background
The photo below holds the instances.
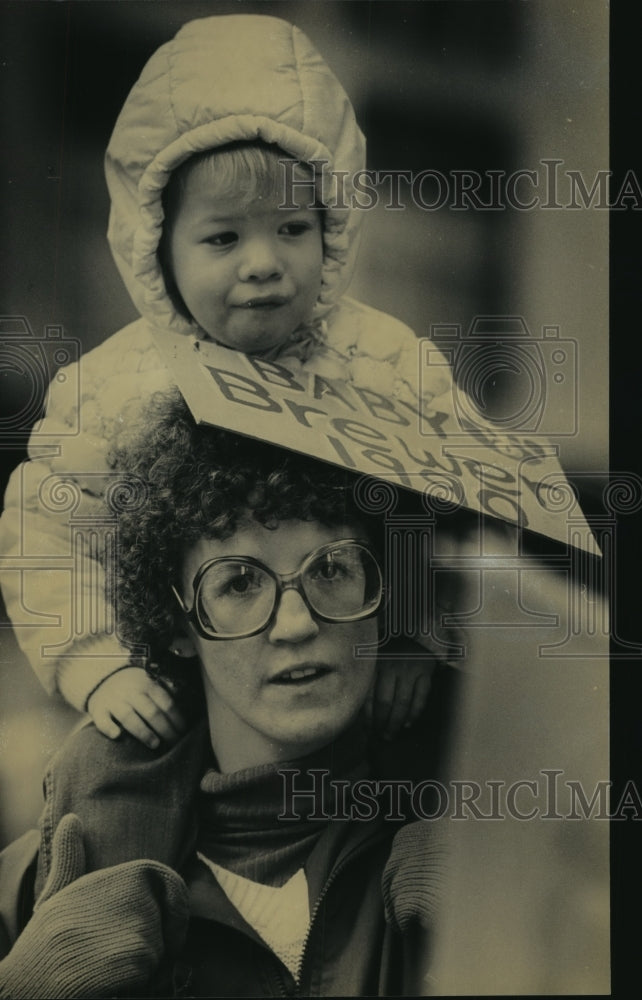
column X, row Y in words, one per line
column 488, row 88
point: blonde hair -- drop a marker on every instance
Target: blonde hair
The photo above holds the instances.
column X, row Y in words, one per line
column 247, row 171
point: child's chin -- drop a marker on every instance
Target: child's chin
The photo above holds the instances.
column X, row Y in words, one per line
column 264, row 345
column 257, row 340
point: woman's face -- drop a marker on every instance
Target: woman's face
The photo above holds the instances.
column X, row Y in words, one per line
column 259, row 710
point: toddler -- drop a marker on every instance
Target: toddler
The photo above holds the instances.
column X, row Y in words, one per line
column 206, row 248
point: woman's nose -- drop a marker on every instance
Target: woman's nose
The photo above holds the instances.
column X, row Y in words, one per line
column 260, row 261
column 293, row 621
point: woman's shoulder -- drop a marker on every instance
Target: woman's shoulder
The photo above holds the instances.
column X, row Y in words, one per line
column 87, row 761
column 132, row 802
column 415, row 874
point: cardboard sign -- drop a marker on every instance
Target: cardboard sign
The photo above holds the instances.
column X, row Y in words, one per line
column 508, row 476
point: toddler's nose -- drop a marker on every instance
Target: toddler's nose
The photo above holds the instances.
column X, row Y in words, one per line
column 260, row 261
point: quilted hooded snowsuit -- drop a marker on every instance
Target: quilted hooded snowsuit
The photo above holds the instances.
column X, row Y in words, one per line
column 221, row 79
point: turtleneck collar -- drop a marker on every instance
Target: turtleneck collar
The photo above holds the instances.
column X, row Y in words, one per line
column 240, row 813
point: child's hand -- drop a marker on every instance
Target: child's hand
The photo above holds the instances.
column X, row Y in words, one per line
column 399, row 693
column 132, row 700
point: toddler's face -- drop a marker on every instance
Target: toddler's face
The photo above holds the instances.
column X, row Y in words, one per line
column 249, row 274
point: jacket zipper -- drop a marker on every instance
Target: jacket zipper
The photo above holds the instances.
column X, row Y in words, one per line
column 347, row 860
column 278, row 978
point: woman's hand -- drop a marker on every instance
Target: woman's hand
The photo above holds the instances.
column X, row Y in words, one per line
column 400, row 690
column 96, row 935
column 132, row 700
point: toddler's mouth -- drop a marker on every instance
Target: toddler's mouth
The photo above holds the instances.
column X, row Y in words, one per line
column 265, row 302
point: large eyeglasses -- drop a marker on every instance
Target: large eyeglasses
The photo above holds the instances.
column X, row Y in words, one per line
column 238, row 596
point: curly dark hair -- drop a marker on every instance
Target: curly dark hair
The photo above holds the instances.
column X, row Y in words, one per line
column 197, row 481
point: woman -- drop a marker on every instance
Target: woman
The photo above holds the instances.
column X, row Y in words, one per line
column 275, row 849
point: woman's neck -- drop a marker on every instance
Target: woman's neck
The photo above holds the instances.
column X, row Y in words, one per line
column 238, row 755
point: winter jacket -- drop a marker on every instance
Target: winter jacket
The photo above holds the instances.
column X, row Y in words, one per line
column 220, row 79
column 375, row 885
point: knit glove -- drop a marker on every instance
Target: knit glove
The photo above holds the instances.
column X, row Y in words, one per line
column 413, row 879
column 95, row 935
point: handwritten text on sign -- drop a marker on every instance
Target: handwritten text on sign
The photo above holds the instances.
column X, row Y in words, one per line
column 507, row 476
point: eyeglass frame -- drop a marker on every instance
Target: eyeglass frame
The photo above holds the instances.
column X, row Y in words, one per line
column 284, row 581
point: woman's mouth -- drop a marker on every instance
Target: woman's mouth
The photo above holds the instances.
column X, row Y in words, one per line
column 300, row 675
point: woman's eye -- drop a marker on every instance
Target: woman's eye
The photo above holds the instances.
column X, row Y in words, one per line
column 242, row 584
column 222, row 239
column 227, row 582
column 328, row 571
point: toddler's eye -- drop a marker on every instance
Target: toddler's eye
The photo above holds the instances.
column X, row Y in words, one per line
column 222, row 239
column 295, row 228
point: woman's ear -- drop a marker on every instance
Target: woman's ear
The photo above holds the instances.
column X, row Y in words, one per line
column 182, row 646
